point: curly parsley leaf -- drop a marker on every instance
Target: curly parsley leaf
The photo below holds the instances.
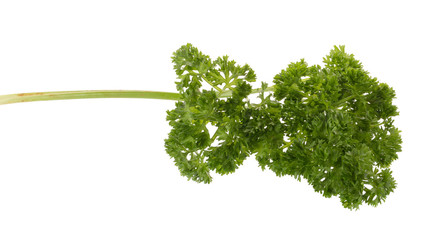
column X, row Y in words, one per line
column 195, row 150
column 331, row 125
column 338, row 125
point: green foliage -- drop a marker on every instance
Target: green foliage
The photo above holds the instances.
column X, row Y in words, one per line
column 330, row 125
column 197, row 151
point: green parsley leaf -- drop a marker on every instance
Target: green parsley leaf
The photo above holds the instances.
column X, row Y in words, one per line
column 331, row 125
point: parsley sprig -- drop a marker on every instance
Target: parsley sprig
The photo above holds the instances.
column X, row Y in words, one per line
column 331, row 125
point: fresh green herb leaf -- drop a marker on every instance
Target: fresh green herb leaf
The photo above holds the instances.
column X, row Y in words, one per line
column 331, row 125
column 197, row 151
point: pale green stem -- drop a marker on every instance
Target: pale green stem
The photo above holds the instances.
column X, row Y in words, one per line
column 228, row 93
column 45, row 96
column 84, row 94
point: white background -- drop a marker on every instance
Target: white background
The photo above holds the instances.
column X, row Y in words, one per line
column 97, row 169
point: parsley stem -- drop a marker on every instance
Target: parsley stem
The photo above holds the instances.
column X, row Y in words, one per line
column 62, row 95
column 84, row 94
column 228, row 93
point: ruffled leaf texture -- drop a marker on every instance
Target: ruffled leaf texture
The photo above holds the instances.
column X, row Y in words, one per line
column 331, row 125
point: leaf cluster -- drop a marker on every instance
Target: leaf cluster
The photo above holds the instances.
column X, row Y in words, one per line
column 195, row 149
column 331, row 125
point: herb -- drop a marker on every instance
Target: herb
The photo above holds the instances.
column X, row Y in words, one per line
column 331, row 125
